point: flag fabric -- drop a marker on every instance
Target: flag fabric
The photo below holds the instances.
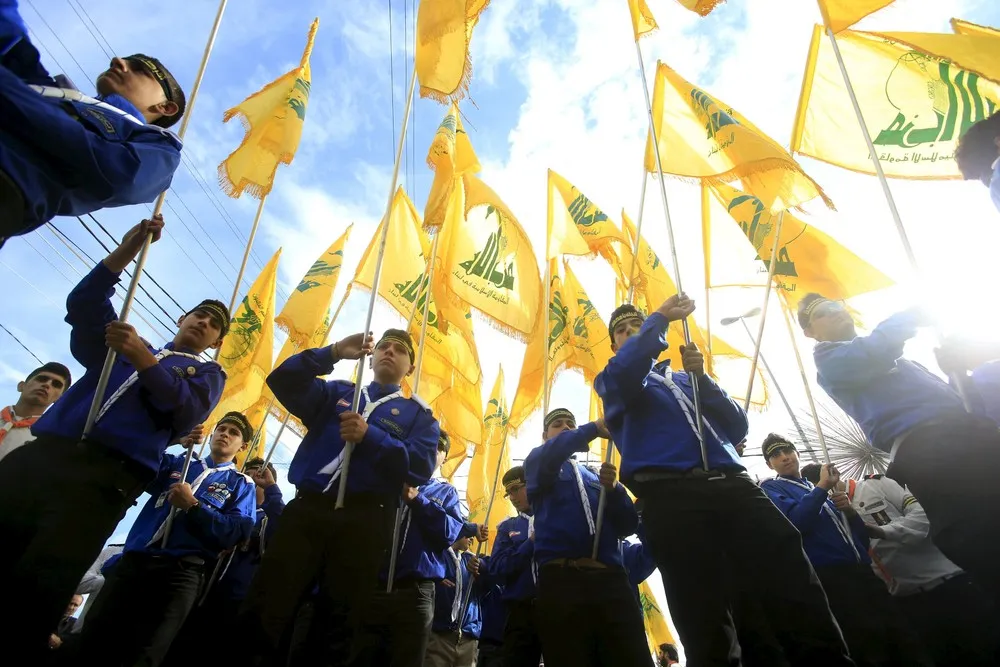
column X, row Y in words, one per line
column 916, row 104
column 700, row 7
column 486, row 263
column 808, row 260
column 961, row 27
column 444, row 32
column 309, row 303
column 273, row 119
column 577, row 338
column 643, row 22
column 657, row 630
column 247, row 350
column 256, row 414
column 489, row 462
column 575, row 225
column 702, row 137
column 450, row 156
column 842, row 14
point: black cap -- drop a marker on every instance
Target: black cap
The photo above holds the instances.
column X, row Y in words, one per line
column 513, row 476
column 558, row 413
column 444, row 441
column 241, row 422
column 774, row 443
column 807, row 305
column 626, row 311
column 257, row 462
column 217, row 310
column 401, row 337
column 811, row 472
column 171, row 89
column 55, row 368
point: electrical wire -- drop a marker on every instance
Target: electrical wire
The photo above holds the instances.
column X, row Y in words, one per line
column 99, row 45
column 26, row 348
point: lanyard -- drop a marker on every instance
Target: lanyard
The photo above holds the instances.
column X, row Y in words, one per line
column 333, row 467
column 77, row 96
column 456, row 604
column 194, row 489
column 687, row 406
column 838, row 517
column 583, row 496
column 132, row 379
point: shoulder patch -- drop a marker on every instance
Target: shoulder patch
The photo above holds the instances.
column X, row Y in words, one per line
column 421, row 402
column 873, row 476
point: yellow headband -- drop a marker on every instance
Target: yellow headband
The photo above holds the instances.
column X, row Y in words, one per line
column 402, row 341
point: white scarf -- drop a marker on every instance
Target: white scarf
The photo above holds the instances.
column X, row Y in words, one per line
column 456, row 605
column 839, row 518
column 687, row 406
column 158, row 535
column 132, row 379
column 585, row 501
column 333, row 467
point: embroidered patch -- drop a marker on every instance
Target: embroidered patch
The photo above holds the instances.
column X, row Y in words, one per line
column 394, row 411
column 178, row 371
column 175, row 474
column 391, row 425
column 342, row 403
column 102, row 119
column 513, row 533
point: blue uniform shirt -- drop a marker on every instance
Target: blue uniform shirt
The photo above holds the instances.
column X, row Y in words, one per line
column 223, row 518
column 823, row 532
column 399, row 446
column 234, row 583
column 649, row 427
column 510, row 563
column 447, row 600
column 886, row 394
column 493, row 611
column 166, row 401
column 639, row 563
column 432, row 522
column 71, row 156
column 561, row 526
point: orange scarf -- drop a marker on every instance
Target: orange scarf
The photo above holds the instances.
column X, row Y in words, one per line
column 9, row 421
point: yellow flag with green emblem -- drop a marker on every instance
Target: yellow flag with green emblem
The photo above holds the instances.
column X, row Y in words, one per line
column 657, row 630
column 576, row 226
column 444, row 33
column 273, row 119
column 256, row 415
column 702, row 137
column 247, row 352
column 450, row 156
column 961, row 27
column 842, row 14
column 318, row 339
column 489, row 462
column 919, row 93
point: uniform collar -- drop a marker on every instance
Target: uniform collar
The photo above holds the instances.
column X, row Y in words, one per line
column 122, row 104
column 210, row 463
column 188, row 350
column 376, row 389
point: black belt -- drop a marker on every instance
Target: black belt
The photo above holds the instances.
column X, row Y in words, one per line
column 401, row 582
column 660, row 475
column 131, row 466
column 358, row 498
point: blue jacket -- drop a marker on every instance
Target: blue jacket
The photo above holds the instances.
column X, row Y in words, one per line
column 432, row 522
column 822, row 540
column 445, row 599
column 639, row 563
column 647, row 422
column 167, row 401
column 510, row 562
column 234, row 583
column 71, row 157
column 561, row 528
column 886, row 394
column 493, row 611
column 399, row 446
column 223, row 518
column 986, row 381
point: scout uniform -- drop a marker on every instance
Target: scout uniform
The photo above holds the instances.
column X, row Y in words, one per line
column 724, row 518
column 54, row 531
column 493, row 611
column 585, row 606
column 454, row 642
column 399, row 447
column 64, row 153
column 157, row 582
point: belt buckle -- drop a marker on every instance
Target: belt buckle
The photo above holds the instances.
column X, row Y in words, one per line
column 708, row 475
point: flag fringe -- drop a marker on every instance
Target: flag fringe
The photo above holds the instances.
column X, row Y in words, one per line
column 460, row 92
column 705, row 7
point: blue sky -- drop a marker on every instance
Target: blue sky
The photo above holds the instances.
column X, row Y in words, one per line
column 555, row 85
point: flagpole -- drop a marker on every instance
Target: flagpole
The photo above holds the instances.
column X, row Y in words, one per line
column 545, row 314
column 706, row 256
column 398, row 523
column 246, row 256
column 355, row 404
column 763, row 309
column 638, row 231
column 140, row 262
column 673, row 252
column 805, row 383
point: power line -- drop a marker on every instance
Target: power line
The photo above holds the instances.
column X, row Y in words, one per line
column 111, row 50
column 26, row 349
column 54, row 34
column 99, row 45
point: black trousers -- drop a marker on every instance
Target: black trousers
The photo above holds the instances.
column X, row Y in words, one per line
column 589, row 618
column 759, row 645
column 876, row 634
column 698, row 531
column 521, row 644
column 59, row 503
column 140, row 609
column 490, row 654
column 397, row 626
column 341, row 551
column 948, row 467
column 216, row 616
column 957, row 622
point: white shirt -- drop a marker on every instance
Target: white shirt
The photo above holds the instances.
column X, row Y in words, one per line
column 907, row 559
column 16, row 437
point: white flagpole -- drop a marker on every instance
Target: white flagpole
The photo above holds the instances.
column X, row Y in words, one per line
column 805, row 384
column 763, row 309
column 349, row 446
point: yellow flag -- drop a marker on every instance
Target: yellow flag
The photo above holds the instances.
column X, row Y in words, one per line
column 487, row 262
column 255, row 414
column 808, row 260
column 700, row 7
column 916, row 105
column 460, row 411
column 578, row 338
column 306, row 308
column 643, row 22
column 657, row 630
column 444, row 31
column 451, row 155
column 576, row 225
column 703, row 137
column 842, row 14
column 966, row 28
column 247, row 350
column 489, row 462
column 273, row 119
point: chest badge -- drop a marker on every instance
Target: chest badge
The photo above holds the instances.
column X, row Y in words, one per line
column 190, row 370
column 394, row 411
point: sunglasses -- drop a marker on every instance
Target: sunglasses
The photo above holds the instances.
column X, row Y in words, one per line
column 825, row 309
column 150, row 68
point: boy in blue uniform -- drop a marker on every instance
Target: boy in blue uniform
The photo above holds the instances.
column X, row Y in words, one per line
column 494, row 616
column 836, row 540
column 723, row 518
column 918, row 418
column 341, row 550
column 587, row 613
column 63, row 153
column 159, row 578
column 54, row 531
column 453, row 642
column 978, row 155
column 511, row 565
